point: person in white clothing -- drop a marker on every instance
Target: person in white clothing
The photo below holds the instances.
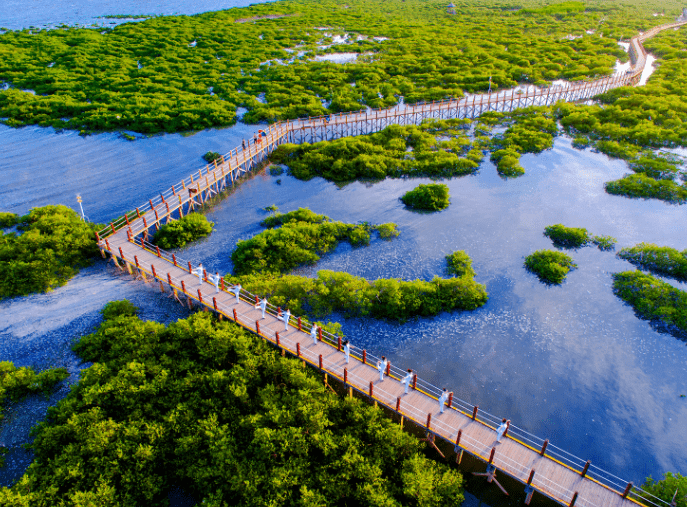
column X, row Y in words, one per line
column 199, row 271
column 502, row 429
column 284, row 317
column 442, row 401
column 347, row 350
column 215, row 280
column 381, row 366
column 236, row 289
column 407, row 380
column 313, row 333
column 262, row 305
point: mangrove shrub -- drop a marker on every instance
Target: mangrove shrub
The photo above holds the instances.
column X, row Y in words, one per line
column 567, row 237
column 662, row 260
column 550, row 266
column 178, row 233
column 430, row 197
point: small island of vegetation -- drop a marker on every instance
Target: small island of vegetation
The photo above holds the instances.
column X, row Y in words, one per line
column 653, row 299
column 430, row 197
column 661, row 260
column 179, row 233
column 51, row 245
column 550, row 266
column 567, row 237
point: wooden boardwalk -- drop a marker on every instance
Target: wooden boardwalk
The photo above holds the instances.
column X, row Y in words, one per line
column 542, row 467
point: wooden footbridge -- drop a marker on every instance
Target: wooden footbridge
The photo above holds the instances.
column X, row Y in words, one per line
column 539, row 465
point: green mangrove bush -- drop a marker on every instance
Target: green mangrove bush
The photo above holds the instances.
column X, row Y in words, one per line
column 8, row 220
column 179, row 233
column 53, row 243
column 641, row 185
column 662, row 260
column 604, row 243
column 653, row 299
column 430, row 197
column 550, row 266
column 567, row 237
column 673, row 487
column 294, row 239
column 211, row 156
column 205, row 404
column 459, row 264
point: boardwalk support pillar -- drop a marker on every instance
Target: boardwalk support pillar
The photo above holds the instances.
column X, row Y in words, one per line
column 529, row 490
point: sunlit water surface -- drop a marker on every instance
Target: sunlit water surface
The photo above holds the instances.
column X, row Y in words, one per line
column 569, row 363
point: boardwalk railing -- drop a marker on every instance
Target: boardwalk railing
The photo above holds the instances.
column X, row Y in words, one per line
column 131, row 230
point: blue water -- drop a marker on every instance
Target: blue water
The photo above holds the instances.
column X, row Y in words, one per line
column 569, row 363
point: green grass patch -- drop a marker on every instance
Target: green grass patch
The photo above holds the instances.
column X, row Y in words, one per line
column 430, row 197
column 200, row 403
column 53, row 243
column 567, row 237
column 8, row 220
column 662, row 260
column 179, row 233
column 653, row 299
column 550, row 266
column 604, row 243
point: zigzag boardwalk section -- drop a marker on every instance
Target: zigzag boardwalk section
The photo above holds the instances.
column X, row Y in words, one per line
column 542, row 467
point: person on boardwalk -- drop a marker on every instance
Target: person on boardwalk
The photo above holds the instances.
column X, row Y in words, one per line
column 442, row 401
column 347, row 350
column 283, row 317
column 407, row 380
column 215, row 280
column 381, row 366
column 236, row 289
column 262, row 305
column 502, row 429
column 313, row 333
column 199, row 271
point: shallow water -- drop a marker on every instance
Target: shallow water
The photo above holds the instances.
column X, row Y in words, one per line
column 569, row 363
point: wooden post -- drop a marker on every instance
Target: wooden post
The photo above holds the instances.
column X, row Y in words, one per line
column 319, row 333
column 505, row 433
column 586, row 467
column 321, row 368
column 543, row 447
column 574, row 499
column 474, row 413
column 298, row 349
column 169, row 279
column 136, row 261
column 257, row 324
column 121, row 254
column 460, row 434
column 338, row 345
column 491, row 455
column 415, row 381
column 388, row 367
column 221, row 281
column 276, row 334
column 300, row 326
column 200, row 297
column 183, row 287
column 214, row 303
column 236, row 319
column 429, row 419
column 157, row 248
column 398, row 404
column 190, row 270
column 364, row 356
column 345, row 375
column 174, row 259
column 113, row 229
column 107, row 244
column 153, row 270
column 628, row 488
column 371, row 389
column 531, row 477
column 450, row 399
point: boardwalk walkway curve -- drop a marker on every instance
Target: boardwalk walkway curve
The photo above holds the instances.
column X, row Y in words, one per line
column 541, row 466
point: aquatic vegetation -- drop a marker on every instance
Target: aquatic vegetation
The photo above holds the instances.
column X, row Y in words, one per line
column 211, row 156
column 396, row 151
column 294, row 239
column 200, row 403
column 653, row 299
column 53, row 244
column 430, row 197
column 8, row 220
column 661, row 260
column 386, row 231
column 671, row 487
column 353, row 296
column 604, row 243
column 178, row 233
column 550, row 266
column 641, row 185
column 180, row 73
column 567, row 237
column 459, row 264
